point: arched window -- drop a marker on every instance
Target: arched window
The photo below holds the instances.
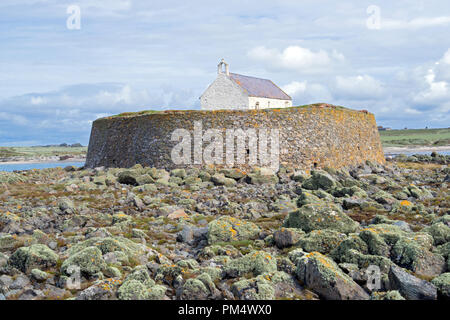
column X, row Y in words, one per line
column 268, row 104
column 286, row 104
column 257, row 105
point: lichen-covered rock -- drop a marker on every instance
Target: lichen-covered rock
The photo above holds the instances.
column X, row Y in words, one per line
column 322, row 275
column 354, row 242
column 389, row 295
column 39, row 275
column 35, row 256
column 306, row 197
column 66, row 206
column 89, row 261
column 440, row 233
column 323, row 241
column 365, row 260
column 255, row 262
column 101, row 290
column 262, row 176
column 420, row 193
column 140, row 273
column 287, row 237
column 226, row 229
column 390, row 233
column 444, row 250
column 8, row 242
column 320, row 216
column 442, row 284
column 128, row 177
column 133, row 290
column 383, row 197
column 416, row 257
column 156, row 292
column 411, row 287
column 375, row 243
column 193, row 289
column 109, row 244
column 319, row 180
column 233, row 173
column 262, row 287
column 219, row 179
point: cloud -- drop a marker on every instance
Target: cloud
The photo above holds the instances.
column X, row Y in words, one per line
column 304, row 92
column 296, row 58
column 359, row 87
column 66, row 115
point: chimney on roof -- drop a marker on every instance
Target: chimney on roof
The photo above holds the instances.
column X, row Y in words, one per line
column 220, row 67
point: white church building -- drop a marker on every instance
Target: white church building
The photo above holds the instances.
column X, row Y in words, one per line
column 235, row 91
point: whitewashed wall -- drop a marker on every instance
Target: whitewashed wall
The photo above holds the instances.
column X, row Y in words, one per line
column 265, row 103
column 224, row 93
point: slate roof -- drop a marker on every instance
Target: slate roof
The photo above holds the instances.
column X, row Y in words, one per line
column 256, row 87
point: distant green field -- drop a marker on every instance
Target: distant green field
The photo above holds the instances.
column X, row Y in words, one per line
column 415, row 137
column 30, row 152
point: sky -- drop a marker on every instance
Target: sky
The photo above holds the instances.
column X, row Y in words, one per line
column 391, row 58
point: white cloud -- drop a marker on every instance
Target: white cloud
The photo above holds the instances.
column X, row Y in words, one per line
column 359, row 87
column 304, row 92
column 296, row 58
column 434, row 82
column 442, row 67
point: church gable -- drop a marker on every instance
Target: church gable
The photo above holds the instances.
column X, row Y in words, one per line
column 224, row 94
column 235, row 91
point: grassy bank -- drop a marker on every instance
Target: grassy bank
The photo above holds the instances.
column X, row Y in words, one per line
column 30, row 152
column 415, row 137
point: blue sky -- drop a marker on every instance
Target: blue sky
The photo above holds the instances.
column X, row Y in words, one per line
column 131, row 55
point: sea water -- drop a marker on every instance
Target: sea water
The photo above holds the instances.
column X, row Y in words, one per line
column 38, row 165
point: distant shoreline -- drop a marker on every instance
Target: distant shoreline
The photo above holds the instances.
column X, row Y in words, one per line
column 31, row 161
column 412, row 149
column 386, row 150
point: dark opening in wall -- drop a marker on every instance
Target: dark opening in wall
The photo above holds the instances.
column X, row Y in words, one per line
column 315, row 164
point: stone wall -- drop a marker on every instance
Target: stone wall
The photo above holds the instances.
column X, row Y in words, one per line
column 312, row 136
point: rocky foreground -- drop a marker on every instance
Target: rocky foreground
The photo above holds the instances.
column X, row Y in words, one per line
column 144, row 233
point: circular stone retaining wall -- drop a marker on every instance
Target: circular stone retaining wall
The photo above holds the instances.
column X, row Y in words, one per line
column 312, row 136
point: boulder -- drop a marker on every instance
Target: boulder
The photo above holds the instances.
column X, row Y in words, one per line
column 227, row 229
column 440, row 233
column 323, row 276
column 287, row 237
column 323, row 241
column 411, row 287
column 263, row 176
column 416, row 257
column 442, row 284
column 128, row 177
column 255, row 262
column 219, row 179
column 35, row 256
column 320, row 216
column 319, row 180
column 89, row 261
column 133, row 290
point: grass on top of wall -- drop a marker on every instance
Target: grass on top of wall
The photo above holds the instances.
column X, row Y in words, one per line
column 147, row 112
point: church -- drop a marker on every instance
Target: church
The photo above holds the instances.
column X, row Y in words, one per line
column 236, row 91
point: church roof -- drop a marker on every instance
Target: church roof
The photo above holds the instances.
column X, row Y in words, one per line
column 256, row 87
